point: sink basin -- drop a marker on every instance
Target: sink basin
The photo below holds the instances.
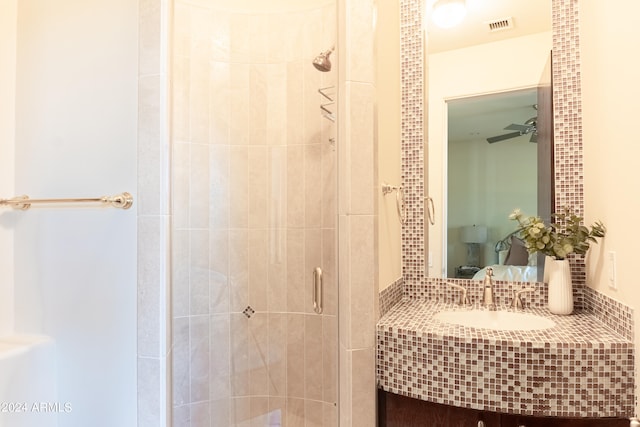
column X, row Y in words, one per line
column 497, row 320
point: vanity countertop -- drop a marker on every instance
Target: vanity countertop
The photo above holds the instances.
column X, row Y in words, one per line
column 577, row 368
column 578, row 329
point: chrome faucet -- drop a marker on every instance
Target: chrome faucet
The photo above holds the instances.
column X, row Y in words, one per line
column 488, row 295
column 464, row 299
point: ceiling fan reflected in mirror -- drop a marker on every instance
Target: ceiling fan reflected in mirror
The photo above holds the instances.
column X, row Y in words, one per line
column 529, row 127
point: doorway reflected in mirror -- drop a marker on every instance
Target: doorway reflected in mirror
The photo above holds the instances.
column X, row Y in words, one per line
column 491, row 168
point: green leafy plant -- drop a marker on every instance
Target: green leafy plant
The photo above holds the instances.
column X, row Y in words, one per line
column 564, row 236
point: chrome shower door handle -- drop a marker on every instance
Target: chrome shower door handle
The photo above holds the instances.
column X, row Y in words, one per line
column 317, row 290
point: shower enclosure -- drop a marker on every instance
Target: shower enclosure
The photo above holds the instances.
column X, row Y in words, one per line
column 254, row 196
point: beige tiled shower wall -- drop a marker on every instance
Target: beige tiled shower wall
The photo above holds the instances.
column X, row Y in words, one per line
column 255, row 211
column 357, row 213
column 152, row 198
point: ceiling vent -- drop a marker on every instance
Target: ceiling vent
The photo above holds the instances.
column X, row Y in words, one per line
column 500, row 24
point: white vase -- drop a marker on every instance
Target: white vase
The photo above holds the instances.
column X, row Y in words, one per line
column 557, row 274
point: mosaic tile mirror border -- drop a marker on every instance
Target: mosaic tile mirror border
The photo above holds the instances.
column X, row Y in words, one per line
column 568, row 136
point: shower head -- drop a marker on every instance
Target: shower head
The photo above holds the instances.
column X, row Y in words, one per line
column 322, row 62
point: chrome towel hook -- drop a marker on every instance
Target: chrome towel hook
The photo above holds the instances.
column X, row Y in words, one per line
column 400, row 203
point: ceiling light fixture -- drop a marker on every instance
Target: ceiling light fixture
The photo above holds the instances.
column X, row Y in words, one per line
column 448, row 13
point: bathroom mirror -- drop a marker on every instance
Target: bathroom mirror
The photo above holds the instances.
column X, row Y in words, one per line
column 492, row 166
column 490, row 72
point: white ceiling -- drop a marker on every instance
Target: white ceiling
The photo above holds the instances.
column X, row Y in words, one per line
column 528, row 16
column 481, row 117
column 268, row 6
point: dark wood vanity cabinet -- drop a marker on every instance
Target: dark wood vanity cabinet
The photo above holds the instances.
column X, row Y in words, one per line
column 401, row 411
column 507, row 420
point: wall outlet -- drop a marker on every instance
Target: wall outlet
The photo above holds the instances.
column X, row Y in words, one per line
column 611, row 263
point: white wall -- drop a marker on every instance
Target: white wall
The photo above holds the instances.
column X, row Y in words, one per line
column 75, row 268
column 388, row 119
column 610, row 93
column 493, row 67
column 8, row 19
column 487, row 182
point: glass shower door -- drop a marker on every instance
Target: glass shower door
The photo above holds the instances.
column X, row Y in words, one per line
column 254, row 215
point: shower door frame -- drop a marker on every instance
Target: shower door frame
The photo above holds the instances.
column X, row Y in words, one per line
column 357, row 218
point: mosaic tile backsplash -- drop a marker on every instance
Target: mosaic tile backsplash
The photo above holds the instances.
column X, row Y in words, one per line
column 611, row 313
column 390, row 296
